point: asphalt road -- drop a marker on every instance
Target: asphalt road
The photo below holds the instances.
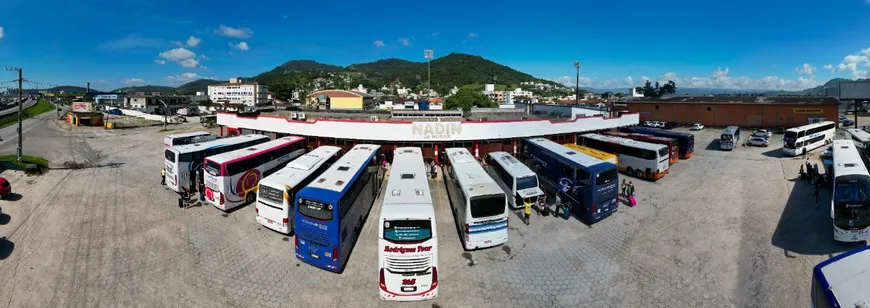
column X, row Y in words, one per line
column 27, row 104
column 9, row 136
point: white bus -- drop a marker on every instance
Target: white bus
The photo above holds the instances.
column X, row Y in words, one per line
column 276, row 192
column 185, row 161
column 521, row 182
column 850, row 203
column 231, row 178
column 187, row 138
column 842, row 281
column 730, row 136
column 636, row 158
column 407, row 236
column 802, row 139
column 479, row 204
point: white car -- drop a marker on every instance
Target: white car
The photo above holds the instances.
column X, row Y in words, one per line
column 697, row 126
column 764, row 132
column 759, row 141
column 649, row 124
column 659, row 124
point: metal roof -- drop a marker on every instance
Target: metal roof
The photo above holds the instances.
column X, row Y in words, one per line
column 473, row 179
column 337, row 177
column 408, row 194
column 299, row 169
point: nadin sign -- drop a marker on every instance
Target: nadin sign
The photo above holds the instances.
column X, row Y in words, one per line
column 437, row 130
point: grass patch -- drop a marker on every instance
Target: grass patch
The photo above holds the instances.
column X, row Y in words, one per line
column 37, row 109
column 11, row 161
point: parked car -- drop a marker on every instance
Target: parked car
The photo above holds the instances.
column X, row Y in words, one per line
column 765, row 132
column 760, row 134
column 670, row 125
column 659, row 124
column 648, row 123
column 697, row 126
column 5, row 188
column 759, row 141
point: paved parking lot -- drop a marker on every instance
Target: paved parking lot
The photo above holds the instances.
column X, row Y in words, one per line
column 730, row 229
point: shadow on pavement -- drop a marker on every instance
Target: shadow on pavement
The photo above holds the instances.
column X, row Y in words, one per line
column 13, row 197
column 775, row 153
column 805, row 228
column 6, row 248
column 5, row 219
column 713, row 146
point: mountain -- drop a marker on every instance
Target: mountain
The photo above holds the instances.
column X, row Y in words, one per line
column 148, row 88
column 198, row 85
column 71, row 89
column 455, row 69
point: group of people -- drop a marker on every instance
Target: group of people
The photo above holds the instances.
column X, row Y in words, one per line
column 627, row 189
column 816, row 179
column 543, row 207
column 184, row 200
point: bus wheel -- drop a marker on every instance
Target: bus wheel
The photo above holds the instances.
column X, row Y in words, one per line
column 249, row 198
column 638, row 174
column 630, row 171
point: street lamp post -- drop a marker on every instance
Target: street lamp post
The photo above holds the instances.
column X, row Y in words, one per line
column 428, row 53
column 165, row 113
column 577, row 86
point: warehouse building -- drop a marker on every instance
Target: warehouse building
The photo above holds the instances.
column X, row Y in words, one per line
column 746, row 111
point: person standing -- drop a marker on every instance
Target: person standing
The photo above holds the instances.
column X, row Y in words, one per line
column 163, row 176
column 201, row 192
column 623, row 189
column 630, row 189
column 527, row 210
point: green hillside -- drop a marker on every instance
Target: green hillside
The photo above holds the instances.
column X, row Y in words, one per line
column 148, row 88
column 198, row 85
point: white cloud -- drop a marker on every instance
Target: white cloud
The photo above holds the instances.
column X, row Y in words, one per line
column 158, row 61
column 719, row 73
column 189, row 63
column 806, row 69
column 185, row 78
column 133, row 81
column 719, row 79
column 240, row 46
column 856, row 64
column 132, row 41
column 829, row 67
column 472, row 35
column 177, row 54
column 1, row 32
column 234, row 32
column 193, row 41
column 628, row 81
column 405, row 42
column 379, row 43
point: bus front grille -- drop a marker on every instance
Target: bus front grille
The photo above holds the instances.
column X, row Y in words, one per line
column 408, row 265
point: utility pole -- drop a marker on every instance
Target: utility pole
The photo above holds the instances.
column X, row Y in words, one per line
column 577, row 86
column 428, row 53
column 165, row 112
column 20, row 112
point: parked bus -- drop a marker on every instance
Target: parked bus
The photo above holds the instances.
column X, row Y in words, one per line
column 686, row 140
column 407, row 236
column 276, row 192
column 331, row 211
column 184, row 163
column 520, row 182
column 610, row 158
column 730, row 136
column 799, row 140
column 862, row 142
column 231, row 178
column 842, row 281
column 850, row 205
column 187, row 138
column 589, row 184
column 637, row 158
column 208, row 120
column 479, row 204
column 672, row 143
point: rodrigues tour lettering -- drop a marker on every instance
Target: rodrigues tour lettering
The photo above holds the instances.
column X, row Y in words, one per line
column 436, row 130
column 404, row 250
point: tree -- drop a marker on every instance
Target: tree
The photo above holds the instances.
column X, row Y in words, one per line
column 206, row 103
column 466, row 99
column 657, row 91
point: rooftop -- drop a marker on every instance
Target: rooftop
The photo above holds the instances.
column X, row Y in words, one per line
column 808, row 100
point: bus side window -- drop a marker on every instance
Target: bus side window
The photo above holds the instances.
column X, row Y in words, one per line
column 582, row 176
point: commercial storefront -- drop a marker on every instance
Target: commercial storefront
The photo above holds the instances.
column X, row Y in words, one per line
column 738, row 111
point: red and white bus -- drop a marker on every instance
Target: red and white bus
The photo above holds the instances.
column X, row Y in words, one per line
column 672, row 143
column 231, row 178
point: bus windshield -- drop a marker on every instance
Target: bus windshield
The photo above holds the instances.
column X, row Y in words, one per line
column 606, row 177
column 213, row 168
column 663, row 152
column 315, row 209
column 486, row 206
column 790, row 136
column 727, row 137
column 527, row 182
column 407, row 231
column 170, row 156
column 852, row 191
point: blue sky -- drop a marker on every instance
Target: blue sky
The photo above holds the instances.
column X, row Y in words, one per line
column 769, row 44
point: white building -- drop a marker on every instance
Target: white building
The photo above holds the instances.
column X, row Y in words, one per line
column 239, row 92
column 488, row 87
column 634, row 93
column 360, row 89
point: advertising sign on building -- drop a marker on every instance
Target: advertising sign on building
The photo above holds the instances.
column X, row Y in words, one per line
column 808, row 110
column 106, row 96
column 81, row 106
column 437, row 130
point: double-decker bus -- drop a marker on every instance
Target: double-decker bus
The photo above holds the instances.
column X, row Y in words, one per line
column 610, row 158
column 187, row 138
column 672, row 143
column 231, row 178
column 276, row 192
column 842, row 281
column 520, row 181
column 850, row 204
column 479, row 205
column 730, row 136
column 637, row 158
column 686, row 140
column 589, row 184
column 331, row 211
column 407, row 237
column 802, row 139
column 185, row 162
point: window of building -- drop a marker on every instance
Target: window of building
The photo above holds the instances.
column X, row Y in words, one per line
column 708, row 108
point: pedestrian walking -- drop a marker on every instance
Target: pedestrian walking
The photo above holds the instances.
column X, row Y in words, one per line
column 624, row 186
column 527, row 210
column 630, row 188
column 163, row 176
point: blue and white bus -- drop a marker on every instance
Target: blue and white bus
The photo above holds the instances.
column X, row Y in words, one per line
column 479, row 204
column 842, row 281
column 331, row 211
column 802, row 139
column 590, row 184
